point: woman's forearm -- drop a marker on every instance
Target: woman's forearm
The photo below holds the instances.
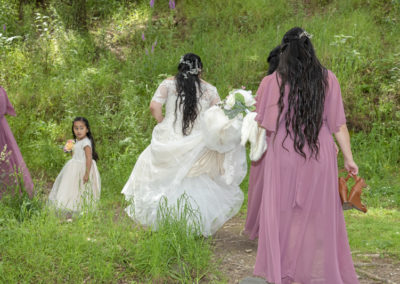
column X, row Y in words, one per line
column 343, row 138
column 156, row 111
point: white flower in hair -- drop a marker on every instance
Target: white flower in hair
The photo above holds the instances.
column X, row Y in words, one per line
column 304, row 33
column 192, row 70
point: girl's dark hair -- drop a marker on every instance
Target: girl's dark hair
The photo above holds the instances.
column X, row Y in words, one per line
column 273, row 59
column 187, row 84
column 300, row 69
column 89, row 135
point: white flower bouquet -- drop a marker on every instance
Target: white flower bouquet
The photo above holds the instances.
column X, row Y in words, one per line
column 231, row 123
column 238, row 101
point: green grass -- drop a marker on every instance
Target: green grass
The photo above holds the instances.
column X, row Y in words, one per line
column 104, row 74
column 100, row 247
column 378, row 231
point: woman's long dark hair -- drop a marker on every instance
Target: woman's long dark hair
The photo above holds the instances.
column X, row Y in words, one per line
column 300, row 69
column 89, row 135
column 189, row 69
column 273, row 59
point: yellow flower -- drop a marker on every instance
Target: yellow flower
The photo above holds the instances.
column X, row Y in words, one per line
column 69, row 146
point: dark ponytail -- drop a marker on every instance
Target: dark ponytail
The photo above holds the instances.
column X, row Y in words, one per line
column 187, row 84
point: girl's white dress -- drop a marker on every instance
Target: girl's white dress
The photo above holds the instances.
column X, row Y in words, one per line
column 202, row 166
column 69, row 192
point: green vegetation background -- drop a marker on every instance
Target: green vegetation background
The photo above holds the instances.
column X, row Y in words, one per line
column 61, row 59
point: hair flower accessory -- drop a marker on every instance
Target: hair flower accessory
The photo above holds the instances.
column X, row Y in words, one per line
column 306, row 34
column 69, row 146
column 194, row 70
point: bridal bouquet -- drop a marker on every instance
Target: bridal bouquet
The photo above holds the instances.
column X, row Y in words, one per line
column 231, row 123
column 69, row 146
column 238, row 101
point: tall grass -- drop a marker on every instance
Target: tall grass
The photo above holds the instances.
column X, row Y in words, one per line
column 100, row 247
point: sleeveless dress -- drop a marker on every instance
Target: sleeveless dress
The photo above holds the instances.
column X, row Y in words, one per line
column 11, row 161
column 194, row 166
column 295, row 209
column 68, row 192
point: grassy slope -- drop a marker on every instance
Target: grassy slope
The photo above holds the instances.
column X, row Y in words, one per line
column 107, row 77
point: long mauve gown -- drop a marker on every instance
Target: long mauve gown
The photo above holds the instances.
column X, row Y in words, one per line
column 254, row 198
column 13, row 161
column 295, row 208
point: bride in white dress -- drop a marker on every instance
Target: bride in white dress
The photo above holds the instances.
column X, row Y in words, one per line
column 183, row 159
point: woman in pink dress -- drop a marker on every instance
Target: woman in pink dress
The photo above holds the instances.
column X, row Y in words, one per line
column 12, row 164
column 302, row 232
column 257, row 169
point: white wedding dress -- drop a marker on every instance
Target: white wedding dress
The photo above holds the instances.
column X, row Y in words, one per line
column 206, row 166
column 69, row 192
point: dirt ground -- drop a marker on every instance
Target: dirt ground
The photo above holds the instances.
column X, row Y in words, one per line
column 236, row 254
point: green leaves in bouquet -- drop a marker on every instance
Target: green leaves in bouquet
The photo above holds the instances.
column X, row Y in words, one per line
column 239, row 98
column 239, row 107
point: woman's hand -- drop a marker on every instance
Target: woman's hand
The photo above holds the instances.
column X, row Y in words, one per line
column 351, row 167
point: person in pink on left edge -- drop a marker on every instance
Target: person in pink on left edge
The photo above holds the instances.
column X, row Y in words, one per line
column 12, row 164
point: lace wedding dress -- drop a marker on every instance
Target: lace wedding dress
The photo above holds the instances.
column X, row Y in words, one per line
column 206, row 166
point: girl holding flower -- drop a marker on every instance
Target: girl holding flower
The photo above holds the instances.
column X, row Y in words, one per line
column 78, row 183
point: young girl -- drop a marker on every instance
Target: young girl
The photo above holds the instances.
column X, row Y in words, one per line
column 78, row 183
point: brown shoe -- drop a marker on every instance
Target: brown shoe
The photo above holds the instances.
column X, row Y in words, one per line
column 343, row 192
column 355, row 194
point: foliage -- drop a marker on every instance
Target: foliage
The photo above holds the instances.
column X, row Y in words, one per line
column 99, row 247
column 17, row 205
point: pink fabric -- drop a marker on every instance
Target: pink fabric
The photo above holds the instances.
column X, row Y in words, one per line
column 294, row 205
column 267, row 112
column 14, row 158
column 254, row 198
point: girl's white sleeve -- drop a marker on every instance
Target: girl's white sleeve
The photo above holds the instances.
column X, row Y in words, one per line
column 86, row 142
